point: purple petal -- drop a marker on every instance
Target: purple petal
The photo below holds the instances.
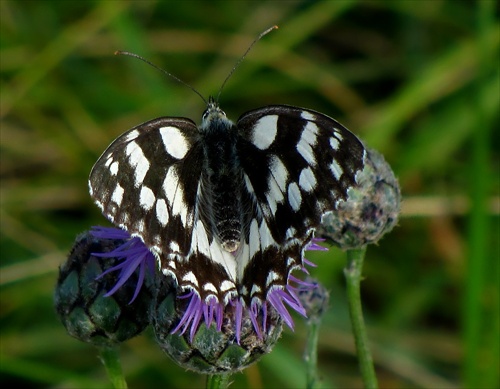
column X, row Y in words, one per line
column 140, row 281
column 238, row 317
column 309, row 263
column 276, row 302
column 186, row 318
column 198, row 311
column 128, row 269
column 109, row 233
column 219, row 313
column 253, row 313
column 264, row 318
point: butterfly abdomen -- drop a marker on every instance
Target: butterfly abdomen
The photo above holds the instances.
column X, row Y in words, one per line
column 222, row 177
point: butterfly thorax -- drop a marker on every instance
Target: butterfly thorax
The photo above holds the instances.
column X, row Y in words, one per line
column 221, row 178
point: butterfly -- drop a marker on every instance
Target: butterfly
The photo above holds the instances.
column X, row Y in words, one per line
column 228, row 208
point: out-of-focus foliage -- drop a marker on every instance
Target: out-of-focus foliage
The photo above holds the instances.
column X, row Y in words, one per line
column 417, row 80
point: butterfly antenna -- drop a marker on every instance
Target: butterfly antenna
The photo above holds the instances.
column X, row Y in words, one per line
column 262, row 34
column 119, row 52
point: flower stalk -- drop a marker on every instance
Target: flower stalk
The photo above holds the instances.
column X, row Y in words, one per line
column 353, row 275
column 218, row 381
column 111, row 361
column 315, row 300
column 311, row 354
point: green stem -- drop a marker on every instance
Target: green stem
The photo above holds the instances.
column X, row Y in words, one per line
column 353, row 271
column 218, row 381
column 110, row 359
column 480, row 310
column 311, row 353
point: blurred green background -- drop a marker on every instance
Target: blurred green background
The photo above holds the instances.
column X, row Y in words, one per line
column 417, row 80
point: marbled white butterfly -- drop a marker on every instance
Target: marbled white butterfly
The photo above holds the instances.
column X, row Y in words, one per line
column 228, row 208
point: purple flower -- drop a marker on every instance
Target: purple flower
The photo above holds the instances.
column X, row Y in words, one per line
column 136, row 255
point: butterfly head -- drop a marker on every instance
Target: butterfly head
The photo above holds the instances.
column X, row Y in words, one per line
column 214, row 117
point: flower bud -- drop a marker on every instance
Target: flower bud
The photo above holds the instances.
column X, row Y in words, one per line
column 81, row 295
column 227, row 342
column 371, row 209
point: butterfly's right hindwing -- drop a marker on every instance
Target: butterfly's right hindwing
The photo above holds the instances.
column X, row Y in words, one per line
column 141, row 182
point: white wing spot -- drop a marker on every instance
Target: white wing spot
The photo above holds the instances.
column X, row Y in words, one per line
column 249, row 185
column 147, row 198
column 138, row 161
column 226, row 285
column 117, row 196
column 174, row 141
column 174, row 247
column 162, row 212
column 290, row 233
column 170, row 184
column 242, row 259
column 224, row 258
column 338, row 135
column 210, row 287
column 214, row 251
column 307, row 141
column 113, row 169
column 334, row 143
column 278, row 170
column 307, row 115
column 175, row 195
column 266, row 238
column 274, row 195
column 131, row 135
column 307, row 180
column 179, row 207
column 264, row 131
column 271, row 277
column 190, row 277
column 255, row 289
column 276, row 184
column 200, row 239
column 254, row 238
column 139, row 226
column 294, row 196
column 336, row 169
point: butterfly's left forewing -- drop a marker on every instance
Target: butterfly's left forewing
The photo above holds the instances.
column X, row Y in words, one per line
column 141, row 183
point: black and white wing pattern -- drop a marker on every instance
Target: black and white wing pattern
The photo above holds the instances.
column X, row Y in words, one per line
column 298, row 164
column 226, row 208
